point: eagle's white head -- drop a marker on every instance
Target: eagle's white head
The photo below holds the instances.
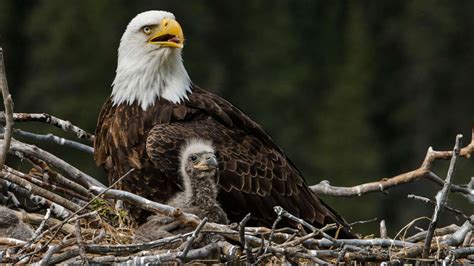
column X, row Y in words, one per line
column 149, row 61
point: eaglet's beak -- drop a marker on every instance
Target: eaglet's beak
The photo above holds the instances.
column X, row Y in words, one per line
column 209, row 163
column 168, row 34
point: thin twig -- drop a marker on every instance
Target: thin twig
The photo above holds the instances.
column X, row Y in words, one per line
column 282, row 212
column 272, row 233
column 362, row 222
column 189, row 243
column 54, row 249
column 446, row 206
column 442, row 197
column 8, row 103
column 80, row 244
column 243, row 240
column 37, row 231
column 465, row 191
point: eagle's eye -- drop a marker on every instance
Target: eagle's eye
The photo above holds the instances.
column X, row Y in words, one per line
column 146, row 30
column 193, row 158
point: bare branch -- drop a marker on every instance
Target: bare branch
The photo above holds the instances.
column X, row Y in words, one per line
column 459, row 253
column 272, row 232
column 56, row 177
column 452, row 240
column 39, row 191
column 14, row 242
column 54, row 249
column 429, row 201
column 458, row 237
column 379, row 242
column 442, row 197
column 37, row 232
column 57, row 122
column 80, row 244
column 55, row 139
column 189, row 243
column 132, row 248
column 424, row 171
column 156, row 207
column 243, row 240
column 466, row 191
column 438, row 232
column 8, row 103
column 59, row 226
column 77, row 198
column 71, row 171
column 194, row 254
column 324, row 188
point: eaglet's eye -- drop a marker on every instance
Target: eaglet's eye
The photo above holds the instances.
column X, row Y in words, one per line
column 146, row 30
column 193, row 158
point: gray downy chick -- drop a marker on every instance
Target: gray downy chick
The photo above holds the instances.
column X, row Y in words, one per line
column 199, row 170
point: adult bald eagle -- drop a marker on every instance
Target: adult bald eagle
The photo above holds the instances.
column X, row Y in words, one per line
column 154, row 108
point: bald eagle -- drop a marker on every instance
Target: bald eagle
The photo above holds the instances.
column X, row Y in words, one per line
column 154, row 107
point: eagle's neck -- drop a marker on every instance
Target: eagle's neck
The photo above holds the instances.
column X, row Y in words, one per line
column 145, row 78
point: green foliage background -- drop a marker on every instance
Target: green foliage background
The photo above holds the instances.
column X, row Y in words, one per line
column 352, row 90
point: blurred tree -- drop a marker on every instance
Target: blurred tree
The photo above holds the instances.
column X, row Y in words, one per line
column 346, row 136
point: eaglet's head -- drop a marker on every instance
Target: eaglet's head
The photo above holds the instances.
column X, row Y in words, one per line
column 149, row 61
column 198, row 159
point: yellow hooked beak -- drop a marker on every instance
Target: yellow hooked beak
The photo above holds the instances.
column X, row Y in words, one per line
column 168, row 34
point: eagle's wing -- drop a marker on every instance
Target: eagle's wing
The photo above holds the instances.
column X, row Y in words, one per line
column 255, row 175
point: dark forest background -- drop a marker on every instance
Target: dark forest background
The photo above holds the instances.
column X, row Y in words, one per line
column 353, row 91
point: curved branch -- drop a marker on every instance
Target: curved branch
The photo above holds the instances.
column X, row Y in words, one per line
column 424, row 171
column 324, row 188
